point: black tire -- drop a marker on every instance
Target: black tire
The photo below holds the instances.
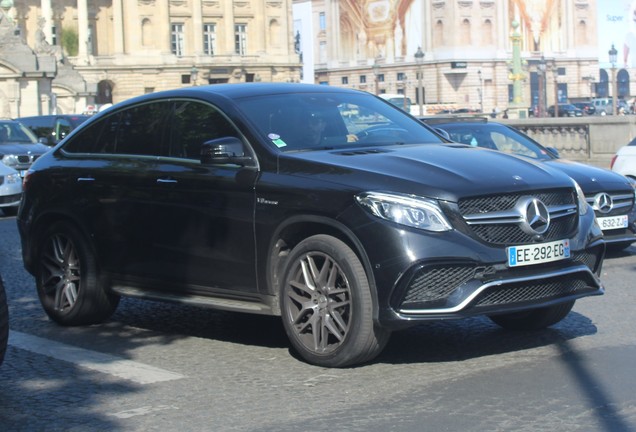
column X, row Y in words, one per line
column 4, row 322
column 534, row 319
column 68, row 282
column 326, row 305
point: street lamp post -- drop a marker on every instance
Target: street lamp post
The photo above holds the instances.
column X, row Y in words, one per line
column 419, row 58
column 555, row 71
column 541, row 103
column 376, row 72
column 613, row 52
column 481, row 92
column 194, row 74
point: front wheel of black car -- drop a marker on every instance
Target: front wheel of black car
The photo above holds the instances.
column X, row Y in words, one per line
column 326, row 304
column 68, row 283
column 4, row 322
column 534, row 319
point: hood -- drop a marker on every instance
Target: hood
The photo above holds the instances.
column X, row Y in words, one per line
column 442, row 171
column 592, row 179
column 23, row 149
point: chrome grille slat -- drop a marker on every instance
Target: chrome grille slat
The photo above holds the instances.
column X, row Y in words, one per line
column 495, row 220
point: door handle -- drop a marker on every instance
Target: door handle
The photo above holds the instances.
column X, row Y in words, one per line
column 166, row 180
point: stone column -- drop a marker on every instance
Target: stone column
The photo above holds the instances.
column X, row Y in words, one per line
column 197, row 28
column 118, row 27
column 163, row 31
column 228, row 16
column 82, row 29
column 45, row 6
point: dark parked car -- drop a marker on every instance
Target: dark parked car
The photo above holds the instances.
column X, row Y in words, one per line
column 4, row 321
column 586, row 107
column 53, row 127
column 565, row 110
column 610, row 194
column 329, row 207
column 18, row 146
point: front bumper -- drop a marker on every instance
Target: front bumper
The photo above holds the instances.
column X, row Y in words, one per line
column 430, row 276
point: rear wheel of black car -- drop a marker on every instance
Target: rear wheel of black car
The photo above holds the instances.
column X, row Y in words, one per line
column 326, row 304
column 68, row 282
column 4, row 322
column 534, row 319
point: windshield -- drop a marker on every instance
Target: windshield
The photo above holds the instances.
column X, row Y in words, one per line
column 496, row 137
column 14, row 132
column 311, row 121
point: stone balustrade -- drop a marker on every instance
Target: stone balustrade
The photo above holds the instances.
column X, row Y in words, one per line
column 589, row 139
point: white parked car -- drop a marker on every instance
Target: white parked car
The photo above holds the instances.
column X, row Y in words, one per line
column 10, row 190
column 624, row 162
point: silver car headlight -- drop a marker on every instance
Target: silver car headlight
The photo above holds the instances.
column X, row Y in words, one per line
column 583, row 205
column 10, row 160
column 13, row 178
column 409, row 210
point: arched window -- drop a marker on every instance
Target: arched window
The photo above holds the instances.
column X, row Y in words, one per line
column 602, row 88
column 438, row 37
column 487, row 32
column 465, row 38
column 622, row 83
column 347, row 40
column 104, row 93
column 146, row 32
column 274, row 33
column 581, row 33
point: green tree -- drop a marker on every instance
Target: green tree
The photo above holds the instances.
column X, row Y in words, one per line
column 70, row 41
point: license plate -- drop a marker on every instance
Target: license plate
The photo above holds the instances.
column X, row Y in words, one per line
column 614, row 222
column 538, row 253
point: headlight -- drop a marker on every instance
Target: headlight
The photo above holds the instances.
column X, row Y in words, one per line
column 10, row 160
column 13, row 178
column 583, row 205
column 409, row 210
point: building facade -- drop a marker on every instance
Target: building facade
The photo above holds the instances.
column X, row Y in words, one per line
column 464, row 47
column 121, row 49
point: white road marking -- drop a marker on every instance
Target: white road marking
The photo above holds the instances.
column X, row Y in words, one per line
column 93, row 360
column 141, row 411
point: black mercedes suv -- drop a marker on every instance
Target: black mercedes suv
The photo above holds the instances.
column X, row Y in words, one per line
column 328, row 207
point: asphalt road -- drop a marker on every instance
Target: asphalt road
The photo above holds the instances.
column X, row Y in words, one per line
column 160, row 367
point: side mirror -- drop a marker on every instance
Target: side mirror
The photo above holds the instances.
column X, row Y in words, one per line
column 554, row 151
column 43, row 140
column 226, row 150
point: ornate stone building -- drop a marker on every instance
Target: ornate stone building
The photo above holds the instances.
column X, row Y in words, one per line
column 105, row 51
column 466, row 49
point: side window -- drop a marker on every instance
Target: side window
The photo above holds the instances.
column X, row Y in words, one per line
column 194, row 123
column 141, row 128
column 62, row 128
column 100, row 137
column 134, row 131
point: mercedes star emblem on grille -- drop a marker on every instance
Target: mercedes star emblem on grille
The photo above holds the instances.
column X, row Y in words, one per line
column 536, row 217
column 603, row 202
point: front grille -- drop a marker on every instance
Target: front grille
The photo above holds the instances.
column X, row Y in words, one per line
column 533, row 291
column 431, row 284
column 507, row 201
column 9, row 199
column 587, row 258
column 25, row 159
column 510, row 232
column 622, row 203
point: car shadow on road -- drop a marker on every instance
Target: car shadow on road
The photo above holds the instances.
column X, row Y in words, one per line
column 470, row 338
